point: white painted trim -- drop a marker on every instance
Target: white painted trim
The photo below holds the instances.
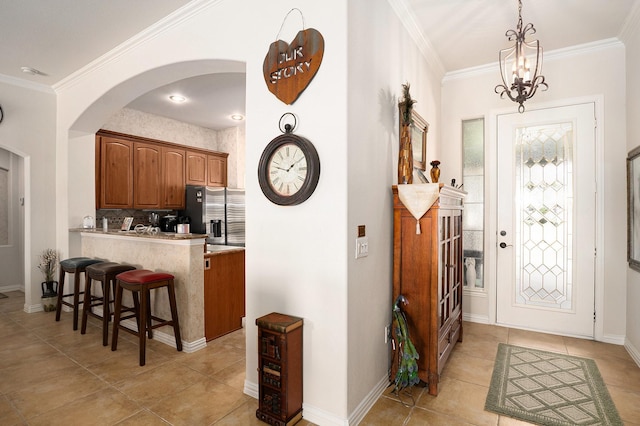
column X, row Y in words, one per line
column 369, row 401
column 614, row 339
column 26, row 84
column 251, row 389
column 631, row 24
column 410, row 22
column 184, row 13
column 481, row 319
column 633, row 351
column 494, row 68
column 491, row 200
column 322, row 417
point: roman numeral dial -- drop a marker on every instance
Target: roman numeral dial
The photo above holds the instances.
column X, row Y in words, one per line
column 287, row 169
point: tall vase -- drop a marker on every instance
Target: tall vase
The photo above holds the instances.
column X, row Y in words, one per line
column 405, row 156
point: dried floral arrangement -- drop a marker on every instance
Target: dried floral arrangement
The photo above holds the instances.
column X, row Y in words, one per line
column 48, row 263
column 406, row 105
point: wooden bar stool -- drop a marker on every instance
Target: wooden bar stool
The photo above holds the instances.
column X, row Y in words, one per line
column 140, row 282
column 76, row 266
column 105, row 273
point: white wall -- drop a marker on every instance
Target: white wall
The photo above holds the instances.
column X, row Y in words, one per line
column 296, row 256
column 633, row 140
column 381, row 58
column 601, row 72
column 28, row 130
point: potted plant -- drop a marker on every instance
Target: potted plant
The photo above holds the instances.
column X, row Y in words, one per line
column 48, row 264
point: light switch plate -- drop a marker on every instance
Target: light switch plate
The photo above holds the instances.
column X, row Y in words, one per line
column 362, row 247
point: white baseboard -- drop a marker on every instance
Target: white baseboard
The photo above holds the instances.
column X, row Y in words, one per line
column 251, row 389
column 614, row 339
column 8, row 288
column 633, row 351
column 482, row 319
column 321, row 417
column 363, row 408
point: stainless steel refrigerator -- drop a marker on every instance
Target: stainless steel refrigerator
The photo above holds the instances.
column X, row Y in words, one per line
column 218, row 212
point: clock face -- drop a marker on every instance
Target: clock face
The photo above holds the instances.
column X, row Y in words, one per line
column 289, row 170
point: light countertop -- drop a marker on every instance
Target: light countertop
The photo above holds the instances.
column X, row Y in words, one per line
column 132, row 233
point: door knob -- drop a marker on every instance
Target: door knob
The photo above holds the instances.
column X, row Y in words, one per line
column 503, row 245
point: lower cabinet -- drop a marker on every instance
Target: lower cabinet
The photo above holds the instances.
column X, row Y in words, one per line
column 224, row 293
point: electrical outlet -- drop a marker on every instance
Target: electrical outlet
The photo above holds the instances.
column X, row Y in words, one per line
column 386, row 334
column 362, row 247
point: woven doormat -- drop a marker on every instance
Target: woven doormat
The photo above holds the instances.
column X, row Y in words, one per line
column 547, row 388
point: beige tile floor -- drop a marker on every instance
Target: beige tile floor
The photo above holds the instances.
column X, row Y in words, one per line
column 51, row 375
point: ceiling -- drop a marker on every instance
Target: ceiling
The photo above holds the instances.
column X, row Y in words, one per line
column 59, row 37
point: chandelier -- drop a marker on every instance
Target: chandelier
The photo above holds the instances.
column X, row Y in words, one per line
column 521, row 78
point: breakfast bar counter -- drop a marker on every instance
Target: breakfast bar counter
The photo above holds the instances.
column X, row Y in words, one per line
column 178, row 254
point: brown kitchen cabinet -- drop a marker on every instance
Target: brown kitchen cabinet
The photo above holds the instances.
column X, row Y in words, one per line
column 147, row 176
column 427, row 270
column 173, row 177
column 224, row 292
column 142, row 173
column 279, row 369
column 217, row 170
column 114, row 173
column 196, row 168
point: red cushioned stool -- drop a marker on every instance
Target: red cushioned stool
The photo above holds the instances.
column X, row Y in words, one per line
column 140, row 282
column 105, row 273
column 75, row 266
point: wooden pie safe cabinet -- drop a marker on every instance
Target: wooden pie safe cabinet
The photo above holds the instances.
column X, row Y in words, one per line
column 428, row 271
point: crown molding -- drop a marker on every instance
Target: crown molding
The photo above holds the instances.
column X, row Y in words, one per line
column 631, row 24
column 176, row 18
column 15, row 81
column 552, row 55
column 410, row 22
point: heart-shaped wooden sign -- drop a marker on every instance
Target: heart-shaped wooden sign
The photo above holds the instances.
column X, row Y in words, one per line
column 289, row 68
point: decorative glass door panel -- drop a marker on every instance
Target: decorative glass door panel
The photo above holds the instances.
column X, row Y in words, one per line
column 543, row 215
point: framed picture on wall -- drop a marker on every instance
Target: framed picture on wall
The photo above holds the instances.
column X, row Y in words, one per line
column 419, row 130
column 633, row 208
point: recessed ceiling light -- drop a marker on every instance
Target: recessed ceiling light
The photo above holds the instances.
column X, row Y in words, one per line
column 177, row 98
column 29, row 70
column 237, row 117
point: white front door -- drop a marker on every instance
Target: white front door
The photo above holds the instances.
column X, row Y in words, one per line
column 546, row 219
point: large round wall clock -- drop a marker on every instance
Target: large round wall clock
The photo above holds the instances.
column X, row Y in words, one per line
column 289, row 169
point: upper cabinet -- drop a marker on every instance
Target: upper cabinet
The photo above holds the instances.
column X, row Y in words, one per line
column 196, row 168
column 140, row 173
column 217, row 170
column 208, row 169
column 173, row 177
column 147, row 176
column 114, row 173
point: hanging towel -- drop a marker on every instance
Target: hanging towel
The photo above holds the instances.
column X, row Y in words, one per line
column 418, row 198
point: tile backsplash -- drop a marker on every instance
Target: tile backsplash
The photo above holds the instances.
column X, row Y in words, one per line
column 116, row 217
